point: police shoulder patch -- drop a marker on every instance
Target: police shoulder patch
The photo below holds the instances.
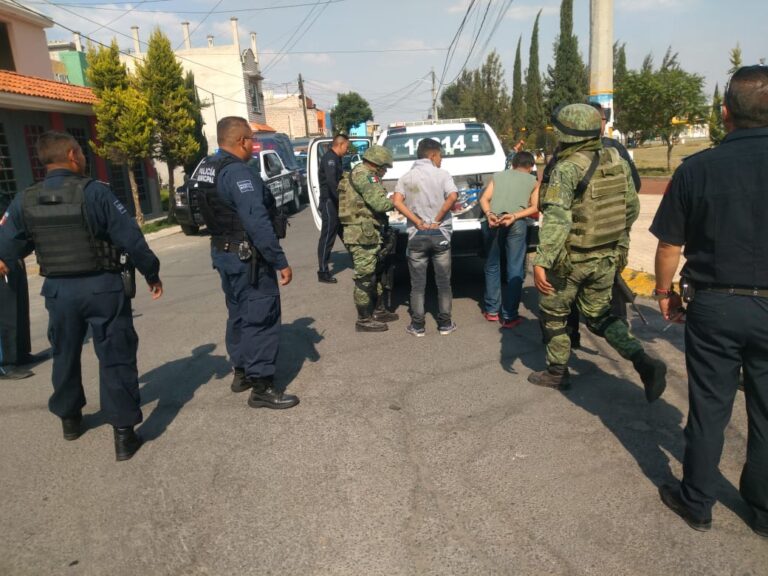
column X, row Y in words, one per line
column 245, row 186
column 120, row 207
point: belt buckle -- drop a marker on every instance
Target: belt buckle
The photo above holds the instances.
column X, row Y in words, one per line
column 755, row 292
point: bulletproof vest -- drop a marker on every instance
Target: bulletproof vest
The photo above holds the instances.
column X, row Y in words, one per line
column 64, row 242
column 599, row 213
column 220, row 219
column 352, row 207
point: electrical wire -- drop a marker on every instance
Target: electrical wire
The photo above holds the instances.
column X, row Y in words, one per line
column 117, row 18
column 110, row 7
column 277, row 59
column 200, row 23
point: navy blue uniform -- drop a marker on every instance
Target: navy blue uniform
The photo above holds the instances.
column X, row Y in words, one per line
column 14, row 308
column 329, row 177
column 253, row 322
column 716, row 206
column 97, row 300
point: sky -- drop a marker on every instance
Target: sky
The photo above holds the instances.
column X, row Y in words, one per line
column 386, row 50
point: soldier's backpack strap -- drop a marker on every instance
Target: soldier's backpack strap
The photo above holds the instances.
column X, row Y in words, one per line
column 584, row 182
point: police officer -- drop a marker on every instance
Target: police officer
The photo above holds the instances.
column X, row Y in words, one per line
column 363, row 207
column 78, row 229
column 246, row 252
column 716, row 206
column 330, row 174
column 588, row 208
column 14, row 314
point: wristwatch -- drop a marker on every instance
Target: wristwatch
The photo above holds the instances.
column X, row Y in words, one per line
column 662, row 294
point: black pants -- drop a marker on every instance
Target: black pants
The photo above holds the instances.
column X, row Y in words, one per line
column 329, row 214
column 98, row 301
column 14, row 315
column 618, row 309
column 723, row 334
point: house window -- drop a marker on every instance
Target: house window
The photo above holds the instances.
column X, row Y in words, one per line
column 253, row 93
column 6, row 56
column 31, row 133
column 7, row 178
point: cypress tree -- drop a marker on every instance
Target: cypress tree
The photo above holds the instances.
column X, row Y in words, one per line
column 567, row 79
column 518, row 98
column 535, row 122
column 619, row 63
column 716, row 127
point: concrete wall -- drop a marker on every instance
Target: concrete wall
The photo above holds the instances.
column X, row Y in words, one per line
column 29, row 47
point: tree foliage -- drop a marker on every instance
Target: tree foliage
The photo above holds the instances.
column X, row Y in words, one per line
column 196, row 107
column 567, row 79
column 518, row 97
column 735, row 59
column 619, row 62
column 535, row 121
column 351, row 109
column 659, row 103
column 160, row 78
column 716, row 126
column 123, row 124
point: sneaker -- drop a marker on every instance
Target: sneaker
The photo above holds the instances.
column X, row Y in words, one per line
column 491, row 316
column 511, row 323
column 415, row 331
column 447, row 329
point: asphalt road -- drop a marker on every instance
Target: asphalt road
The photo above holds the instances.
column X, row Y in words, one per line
column 406, row 456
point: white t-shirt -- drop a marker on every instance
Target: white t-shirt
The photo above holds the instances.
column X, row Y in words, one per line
column 424, row 189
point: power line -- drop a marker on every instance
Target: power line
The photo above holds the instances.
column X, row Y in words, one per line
column 474, row 42
column 117, row 18
column 285, row 47
column 200, row 23
column 110, row 7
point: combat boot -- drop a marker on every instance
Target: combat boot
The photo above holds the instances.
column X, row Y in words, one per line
column 127, row 443
column 384, row 315
column 239, row 383
column 556, row 376
column 264, row 395
column 370, row 325
column 653, row 373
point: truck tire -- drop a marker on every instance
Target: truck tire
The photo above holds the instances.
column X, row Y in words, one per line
column 190, row 229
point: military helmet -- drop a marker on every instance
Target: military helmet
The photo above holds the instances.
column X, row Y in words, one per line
column 378, row 155
column 577, row 123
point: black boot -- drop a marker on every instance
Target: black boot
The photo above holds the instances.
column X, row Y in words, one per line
column 653, row 373
column 71, row 426
column 370, row 325
column 239, row 383
column 325, row 277
column 381, row 314
column 11, row 372
column 127, row 443
column 264, row 395
column 556, row 376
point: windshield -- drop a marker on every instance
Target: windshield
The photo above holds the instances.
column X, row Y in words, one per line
column 455, row 143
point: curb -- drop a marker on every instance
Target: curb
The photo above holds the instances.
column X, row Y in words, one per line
column 641, row 283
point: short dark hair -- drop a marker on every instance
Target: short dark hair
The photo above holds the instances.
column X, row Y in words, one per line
column 523, row 160
column 229, row 128
column 339, row 138
column 426, row 146
column 746, row 97
column 53, row 147
column 605, row 113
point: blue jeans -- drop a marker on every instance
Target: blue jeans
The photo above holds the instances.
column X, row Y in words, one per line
column 421, row 249
column 512, row 241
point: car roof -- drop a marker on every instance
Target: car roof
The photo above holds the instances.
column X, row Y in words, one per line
column 426, row 128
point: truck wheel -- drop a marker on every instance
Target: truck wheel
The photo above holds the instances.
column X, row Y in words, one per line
column 190, row 230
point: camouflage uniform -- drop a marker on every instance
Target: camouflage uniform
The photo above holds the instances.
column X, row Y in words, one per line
column 363, row 205
column 583, row 235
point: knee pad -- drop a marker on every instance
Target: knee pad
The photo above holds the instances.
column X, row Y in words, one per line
column 366, row 283
column 600, row 325
column 547, row 332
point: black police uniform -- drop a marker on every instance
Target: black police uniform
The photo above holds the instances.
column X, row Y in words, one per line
column 329, row 177
column 240, row 210
column 83, row 287
column 717, row 207
column 14, row 309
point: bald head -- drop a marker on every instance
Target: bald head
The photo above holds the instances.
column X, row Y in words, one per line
column 231, row 129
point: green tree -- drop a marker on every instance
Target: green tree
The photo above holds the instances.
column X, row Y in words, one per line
column 535, row 122
column 351, row 109
column 457, row 99
column 123, row 124
column 660, row 103
column 566, row 82
column 735, row 59
column 160, row 78
column 619, row 62
column 518, row 97
column 716, row 127
column 197, row 107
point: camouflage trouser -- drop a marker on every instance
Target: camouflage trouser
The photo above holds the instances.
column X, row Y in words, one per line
column 367, row 286
column 589, row 285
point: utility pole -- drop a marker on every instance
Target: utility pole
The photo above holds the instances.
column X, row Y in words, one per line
column 434, row 96
column 601, row 55
column 304, row 104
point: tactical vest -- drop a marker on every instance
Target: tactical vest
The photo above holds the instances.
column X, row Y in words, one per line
column 599, row 214
column 352, row 207
column 64, row 242
column 219, row 218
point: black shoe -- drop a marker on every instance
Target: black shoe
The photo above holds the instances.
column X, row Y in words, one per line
column 264, row 395
column 761, row 531
column 326, row 278
column 33, row 359
column 370, row 325
column 653, row 373
column 384, row 315
column 556, row 376
column 71, row 426
column 670, row 495
column 239, row 382
column 12, row 372
column 127, row 443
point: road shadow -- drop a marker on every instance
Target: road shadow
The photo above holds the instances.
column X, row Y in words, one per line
column 340, row 259
column 298, row 344
column 523, row 342
column 174, row 384
column 647, row 432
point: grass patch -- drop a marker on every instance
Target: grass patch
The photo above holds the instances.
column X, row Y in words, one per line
column 164, row 198
column 156, row 225
column 651, row 159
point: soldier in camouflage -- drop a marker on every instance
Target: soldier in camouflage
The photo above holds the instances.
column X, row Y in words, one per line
column 363, row 207
column 588, row 208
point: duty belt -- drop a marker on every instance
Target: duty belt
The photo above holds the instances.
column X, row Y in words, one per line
column 226, row 244
column 737, row 290
column 609, row 246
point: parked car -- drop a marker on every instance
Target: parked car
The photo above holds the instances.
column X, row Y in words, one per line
column 278, row 181
column 281, row 144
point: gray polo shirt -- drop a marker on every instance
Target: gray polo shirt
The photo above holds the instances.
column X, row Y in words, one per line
column 425, row 188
